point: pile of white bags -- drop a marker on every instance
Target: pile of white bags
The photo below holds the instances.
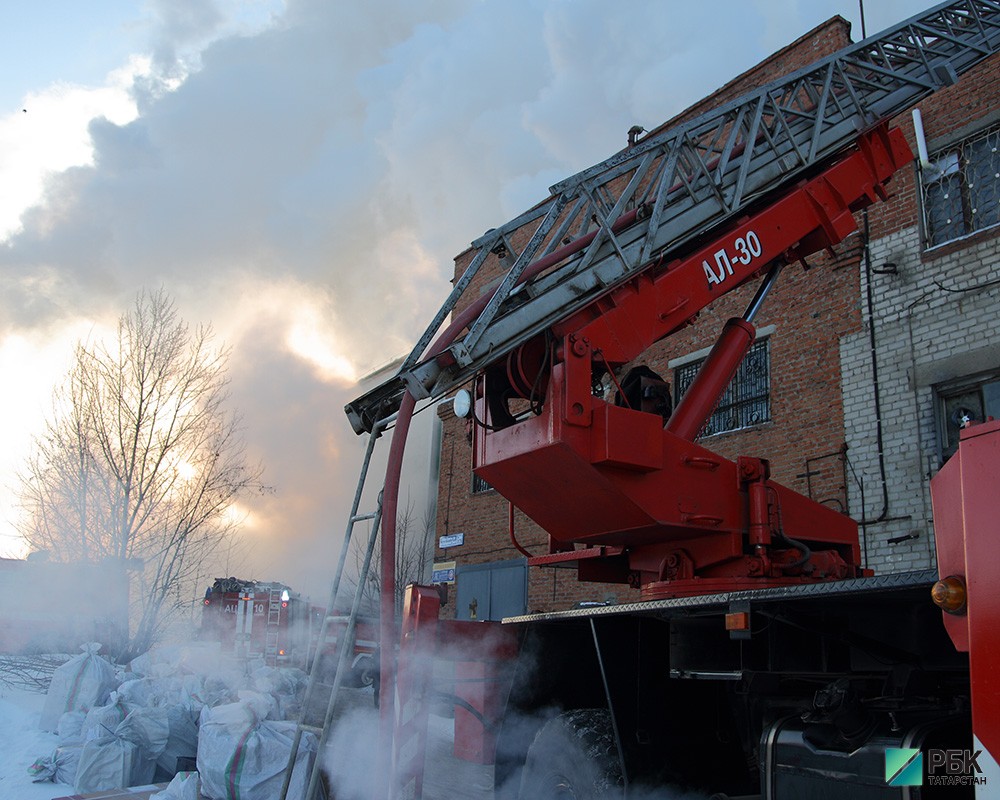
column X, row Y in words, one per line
column 127, row 757
column 163, row 719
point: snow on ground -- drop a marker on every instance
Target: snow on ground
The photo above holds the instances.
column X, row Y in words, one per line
column 21, row 742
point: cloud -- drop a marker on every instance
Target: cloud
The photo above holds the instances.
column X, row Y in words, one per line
column 303, row 176
column 359, row 147
column 294, row 428
column 50, row 134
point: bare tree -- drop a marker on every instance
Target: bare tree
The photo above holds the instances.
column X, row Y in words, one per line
column 141, row 462
column 412, row 556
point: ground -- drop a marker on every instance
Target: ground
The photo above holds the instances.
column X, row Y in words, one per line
column 21, row 743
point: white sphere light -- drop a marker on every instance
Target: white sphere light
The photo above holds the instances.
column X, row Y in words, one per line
column 462, row 403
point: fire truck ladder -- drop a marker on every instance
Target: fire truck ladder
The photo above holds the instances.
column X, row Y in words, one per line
column 665, row 194
column 315, row 688
column 272, row 631
column 655, row 199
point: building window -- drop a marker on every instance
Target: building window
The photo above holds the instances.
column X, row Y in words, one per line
column 971, row 399
column 961, row 188
column 479, row 486
column 746, row 401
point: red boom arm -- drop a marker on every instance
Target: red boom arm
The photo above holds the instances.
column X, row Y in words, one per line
column 651, row 507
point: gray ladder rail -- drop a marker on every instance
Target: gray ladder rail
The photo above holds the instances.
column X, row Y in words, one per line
column 346, row 643
column 272, row 633
column 684, row 181
column 346, row 646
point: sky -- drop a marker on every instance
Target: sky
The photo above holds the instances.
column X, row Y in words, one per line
column 300, row 174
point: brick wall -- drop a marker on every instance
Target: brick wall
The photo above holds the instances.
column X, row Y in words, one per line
column 934, row 321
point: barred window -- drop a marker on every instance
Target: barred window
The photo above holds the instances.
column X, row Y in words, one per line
column 479, row 486
column 961, row 188
column 746, row 401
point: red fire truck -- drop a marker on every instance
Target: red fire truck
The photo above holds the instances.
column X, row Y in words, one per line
column 259, row 620
column 764, row 659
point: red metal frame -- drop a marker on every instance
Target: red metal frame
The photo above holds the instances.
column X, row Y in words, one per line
column 481, row 652
column 966, row 510
column 593, row 473
column 421, row 606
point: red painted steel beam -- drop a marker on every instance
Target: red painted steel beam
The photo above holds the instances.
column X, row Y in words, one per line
column 813, row 216
column 680, row 510
column 966, row 509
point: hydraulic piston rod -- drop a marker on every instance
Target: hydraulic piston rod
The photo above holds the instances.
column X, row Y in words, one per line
column 717, row 372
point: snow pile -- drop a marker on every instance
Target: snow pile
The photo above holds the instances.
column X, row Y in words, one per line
column 21, row 743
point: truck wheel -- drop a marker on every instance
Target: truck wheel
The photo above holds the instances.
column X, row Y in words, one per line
column 365, row 670
column 573, row 756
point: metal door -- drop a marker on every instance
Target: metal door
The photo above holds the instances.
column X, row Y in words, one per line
column 491, row 591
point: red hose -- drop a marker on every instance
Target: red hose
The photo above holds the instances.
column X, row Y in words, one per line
column 387, row 609
column 510, row 529
column 390, row 502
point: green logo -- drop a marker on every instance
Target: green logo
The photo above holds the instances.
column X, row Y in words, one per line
column 904, row 766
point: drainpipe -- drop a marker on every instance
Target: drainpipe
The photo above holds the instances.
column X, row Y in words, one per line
column 876, row 388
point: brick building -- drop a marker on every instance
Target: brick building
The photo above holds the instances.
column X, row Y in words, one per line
column 927, row 356
column 804, row 397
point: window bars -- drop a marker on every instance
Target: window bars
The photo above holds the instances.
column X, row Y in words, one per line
column 960, row 190
column 747, row 399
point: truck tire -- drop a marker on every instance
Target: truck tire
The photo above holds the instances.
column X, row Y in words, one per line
column 573, row 756
column 365, row 668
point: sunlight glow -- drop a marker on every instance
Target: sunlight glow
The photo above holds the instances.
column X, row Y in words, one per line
column 307, row 339
column 185, row 471
column 303, row 321
column 240, row 516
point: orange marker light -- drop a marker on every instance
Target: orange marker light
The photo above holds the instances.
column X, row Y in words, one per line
column 949, row 594
column 738, row 621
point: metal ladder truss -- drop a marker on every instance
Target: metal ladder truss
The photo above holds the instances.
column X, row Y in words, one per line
column 273, row 629
column 345, row 643
column 642, row 205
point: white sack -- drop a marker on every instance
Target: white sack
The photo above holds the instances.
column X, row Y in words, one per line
column 111, row 763
column 242, row 756
column 80, row 684
column 67, row 761
column 70, row 728
column 126, row 758
column 103, row 720
column 184, row 786
column 183, row 739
